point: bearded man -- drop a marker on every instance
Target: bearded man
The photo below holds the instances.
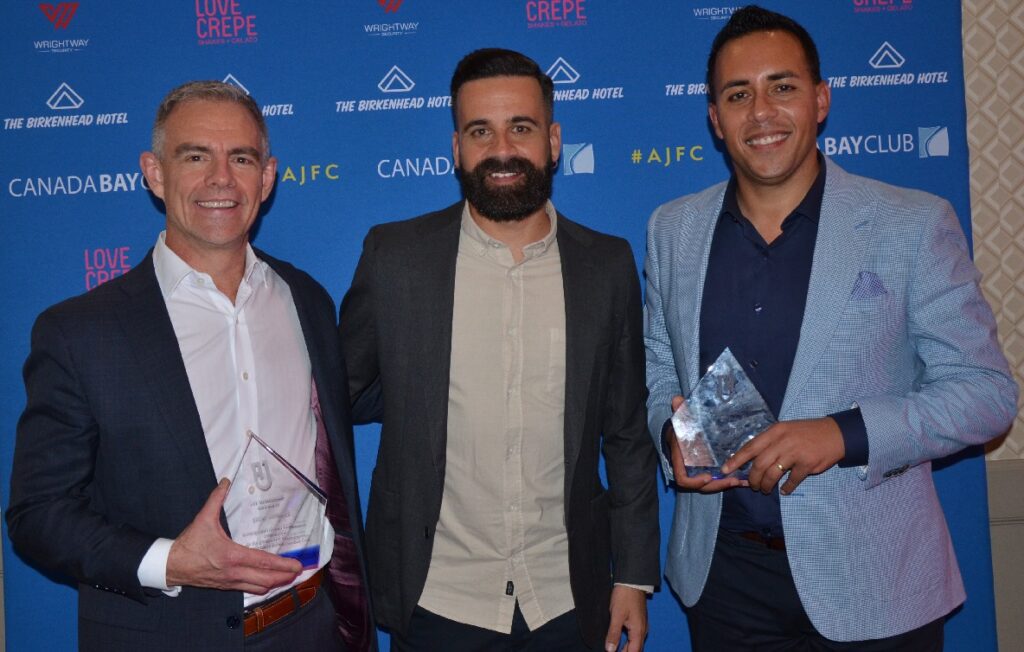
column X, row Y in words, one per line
column 501, row 345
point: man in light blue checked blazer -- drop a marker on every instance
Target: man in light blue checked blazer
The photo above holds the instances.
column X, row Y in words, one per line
column 855, row 309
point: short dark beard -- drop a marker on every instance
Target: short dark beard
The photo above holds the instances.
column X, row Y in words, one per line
column 508, row 204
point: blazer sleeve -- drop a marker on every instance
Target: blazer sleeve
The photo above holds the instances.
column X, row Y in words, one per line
column 630, row 459
column 963, row 393
column 357, row 331
column 52, row 517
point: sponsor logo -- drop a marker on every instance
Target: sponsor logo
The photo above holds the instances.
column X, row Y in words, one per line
column 398, row 28
column 223, row 22
column 879, row 6
column 395, row 81
column 561, row 72
column 268, row 110
column 104, row 264
column 693, row 88
column 65, row 99
column 932, row 141
column 668, row 155
column 75, row 184
column 577, row 158
column 544, row 14
column 714, row 13
column 59, row 14
column 424, row 166
column 886, row 56
column 303, row 174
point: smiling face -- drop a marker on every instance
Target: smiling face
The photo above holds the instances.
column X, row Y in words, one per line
column 505, row 146
column 211, row 176
column 767, row 109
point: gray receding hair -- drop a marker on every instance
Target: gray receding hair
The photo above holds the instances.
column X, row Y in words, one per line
column 209, row 91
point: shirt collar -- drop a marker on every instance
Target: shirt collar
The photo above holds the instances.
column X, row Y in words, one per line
column 809, row 206
column 481, row 242
column 171, row 270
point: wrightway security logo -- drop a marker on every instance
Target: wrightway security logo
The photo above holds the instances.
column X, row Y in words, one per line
column 390, row 6
column 60, row 14
column 932, row 141
column 396, row 81
column 64, row 97
column 886, row 56
column 577, row 158
column 561, row 72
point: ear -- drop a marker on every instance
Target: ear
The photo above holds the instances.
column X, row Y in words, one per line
column 555, row 139
column 713, row 115
column 153, row 171
column 824, row 98
column 269, row 176
column 455, row 149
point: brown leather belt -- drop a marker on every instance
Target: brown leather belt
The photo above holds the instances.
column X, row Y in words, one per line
column 263, row 616
column 774, row 543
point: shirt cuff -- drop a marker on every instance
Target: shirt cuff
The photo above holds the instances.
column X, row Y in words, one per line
column 646, row 588
column 855, row 437
column 153, row 567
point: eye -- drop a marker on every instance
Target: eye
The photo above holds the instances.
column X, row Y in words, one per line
column 784, row 88
column 738, row 96
column 244, row 160
column 479, row 132
column 521, row 129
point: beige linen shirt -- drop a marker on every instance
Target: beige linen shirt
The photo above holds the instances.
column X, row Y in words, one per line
column 501, row 534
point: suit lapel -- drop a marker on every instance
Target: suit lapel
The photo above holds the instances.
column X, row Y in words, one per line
column 693, row 250
column 150, row 335
column 843, row 233
column 432, row 300
column 581, row 315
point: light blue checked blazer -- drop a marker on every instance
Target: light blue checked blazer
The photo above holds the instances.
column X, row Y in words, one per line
column 896, row 324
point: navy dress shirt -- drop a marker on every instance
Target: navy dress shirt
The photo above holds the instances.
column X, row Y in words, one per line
column 753, row 303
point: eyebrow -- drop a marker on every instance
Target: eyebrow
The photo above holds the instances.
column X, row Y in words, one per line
column 202, row 149
column 516, row 119
column 775, row 76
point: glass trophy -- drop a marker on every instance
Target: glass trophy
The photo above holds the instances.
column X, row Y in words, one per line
column 272, row 506
column 723, row 412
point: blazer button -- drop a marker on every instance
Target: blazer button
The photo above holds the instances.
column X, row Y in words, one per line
column 233, row 621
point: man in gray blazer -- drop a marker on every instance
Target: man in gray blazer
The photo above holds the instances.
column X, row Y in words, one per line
column 505, row 343
column 855, row 309
column 139, row 397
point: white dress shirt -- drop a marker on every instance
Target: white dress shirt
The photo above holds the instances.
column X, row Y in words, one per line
column 249, row 370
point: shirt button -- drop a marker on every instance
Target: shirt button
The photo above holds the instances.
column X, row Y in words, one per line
column 758, row 308
column 754, row 363
column 245, row 375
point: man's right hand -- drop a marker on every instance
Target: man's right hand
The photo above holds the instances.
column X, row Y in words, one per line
column 204, row 555
column 702, row 482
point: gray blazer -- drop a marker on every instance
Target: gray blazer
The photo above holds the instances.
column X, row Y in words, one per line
column 895, row 323
column 396, row 331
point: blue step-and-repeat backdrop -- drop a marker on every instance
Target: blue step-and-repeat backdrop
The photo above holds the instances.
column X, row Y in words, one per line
column 356, row 98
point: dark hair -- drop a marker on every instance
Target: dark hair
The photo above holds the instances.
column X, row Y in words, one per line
column 497, row 62
column 210, row 91
column 752, row 19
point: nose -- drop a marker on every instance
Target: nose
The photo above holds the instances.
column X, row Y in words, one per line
column 762, row 108
column 220, row 174
column 502, row 146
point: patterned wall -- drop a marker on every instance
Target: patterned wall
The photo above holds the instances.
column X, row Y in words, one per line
column 994, row 71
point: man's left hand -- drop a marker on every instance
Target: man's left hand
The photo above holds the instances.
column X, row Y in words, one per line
column 629, row 611
column 800, row 448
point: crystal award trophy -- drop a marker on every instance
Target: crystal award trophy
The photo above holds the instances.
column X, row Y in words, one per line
column 723, row 412
column 272, row 506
